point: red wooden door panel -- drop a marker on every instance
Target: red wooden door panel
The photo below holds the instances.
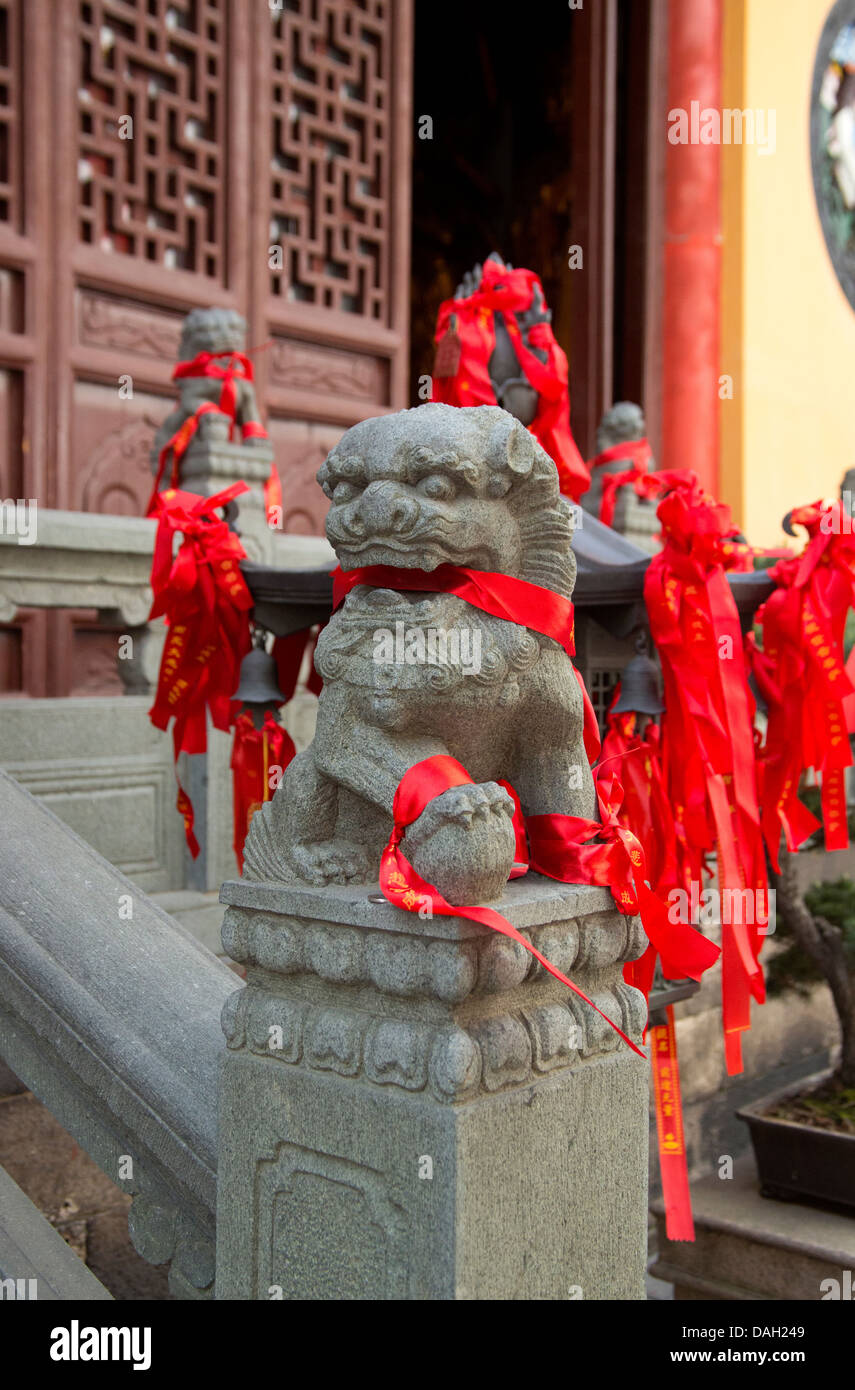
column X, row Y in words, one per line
column 156, row 155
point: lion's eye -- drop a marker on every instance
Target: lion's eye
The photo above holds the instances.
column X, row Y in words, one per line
column 344, row 492
column 437, row 487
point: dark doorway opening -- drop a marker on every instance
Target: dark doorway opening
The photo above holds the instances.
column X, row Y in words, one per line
column 537, row 143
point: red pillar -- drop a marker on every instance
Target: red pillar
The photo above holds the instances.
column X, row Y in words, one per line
column 692, row 251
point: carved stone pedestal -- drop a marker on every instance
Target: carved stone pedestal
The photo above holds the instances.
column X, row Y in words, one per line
column 415, row 1109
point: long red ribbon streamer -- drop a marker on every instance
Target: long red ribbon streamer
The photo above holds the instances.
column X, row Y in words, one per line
column 707, row 730
column 669, row 1130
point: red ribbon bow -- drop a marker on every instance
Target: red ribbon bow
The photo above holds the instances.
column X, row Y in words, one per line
column 574, row 850
column 204, row 597
column 405, row 888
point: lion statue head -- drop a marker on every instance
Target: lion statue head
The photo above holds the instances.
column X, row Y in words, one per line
column 212, row 330
column 443, row 485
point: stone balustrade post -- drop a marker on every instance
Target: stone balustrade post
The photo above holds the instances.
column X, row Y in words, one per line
column 412, row 1108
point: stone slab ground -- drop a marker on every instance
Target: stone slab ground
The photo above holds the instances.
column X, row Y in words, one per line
column 86, row 1209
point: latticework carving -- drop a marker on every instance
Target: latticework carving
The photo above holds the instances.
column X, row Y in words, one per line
column 10, row 106
column 330, row 154
column 158, row 195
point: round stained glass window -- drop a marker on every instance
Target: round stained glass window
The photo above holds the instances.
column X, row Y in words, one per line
column 832, row 140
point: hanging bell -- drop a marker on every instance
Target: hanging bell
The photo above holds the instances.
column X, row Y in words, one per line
column 259, row 690
column 639, row 686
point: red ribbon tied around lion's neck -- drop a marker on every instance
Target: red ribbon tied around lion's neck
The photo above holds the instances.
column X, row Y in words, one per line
column 500, row 595
column 236, row 365
column 405, row 888
column 638, row 453
column 206, row 364
column 557, row 839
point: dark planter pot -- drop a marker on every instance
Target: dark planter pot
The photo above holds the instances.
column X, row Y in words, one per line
column 796, row 1160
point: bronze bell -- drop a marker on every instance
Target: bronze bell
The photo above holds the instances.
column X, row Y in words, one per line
column 639, row 685
column 259, row 690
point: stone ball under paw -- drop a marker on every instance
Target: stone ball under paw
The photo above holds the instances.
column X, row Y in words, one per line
column 464, row 843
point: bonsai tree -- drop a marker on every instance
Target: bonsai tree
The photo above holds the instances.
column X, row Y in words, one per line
column 818, row 931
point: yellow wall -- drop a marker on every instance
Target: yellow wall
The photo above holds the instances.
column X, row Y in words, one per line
column 788, row 331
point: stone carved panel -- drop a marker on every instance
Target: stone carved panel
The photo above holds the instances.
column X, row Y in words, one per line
column 300, row 450
column 10, row 107
column 494, row 1048
column 330, row 98
column 95, row 670
column 303, row 366
column 158, row 196
column 117, row 477
column 307, row 1202
column 104, row 322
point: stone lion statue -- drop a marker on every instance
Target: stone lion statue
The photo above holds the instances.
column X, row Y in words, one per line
column 215, row 331
column 422, row 488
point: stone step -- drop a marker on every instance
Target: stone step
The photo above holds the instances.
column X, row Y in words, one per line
column 35, row 1262
column 751, row 1247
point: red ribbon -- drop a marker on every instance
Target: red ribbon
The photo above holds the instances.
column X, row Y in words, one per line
column 273, row 498
column 646, row 810
column 204, row 597
column 707, row 728
column 669, row 1130
column 206, row 364
column 288, row 653
column 574, row 850
column 405, row 888
column 802, row 677
column 514, row 600
column 509, row 292
column 255, row 752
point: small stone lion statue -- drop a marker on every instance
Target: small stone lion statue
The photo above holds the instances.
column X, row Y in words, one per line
column 408, row 674
column 214, row 331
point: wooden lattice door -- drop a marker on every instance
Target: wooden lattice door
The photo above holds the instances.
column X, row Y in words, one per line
column 156, row 155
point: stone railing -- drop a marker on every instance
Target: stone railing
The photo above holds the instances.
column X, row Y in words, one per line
column 86, row 560
column 79, row 561
column 107, row 771
column 407, row 1109
column 109, row 1012
column 415, row 1109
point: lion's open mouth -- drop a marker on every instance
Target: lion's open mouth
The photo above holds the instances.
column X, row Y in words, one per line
column 427, row 557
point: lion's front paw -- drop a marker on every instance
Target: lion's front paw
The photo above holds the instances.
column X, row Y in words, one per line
column 463, row 842
column 333, row 861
